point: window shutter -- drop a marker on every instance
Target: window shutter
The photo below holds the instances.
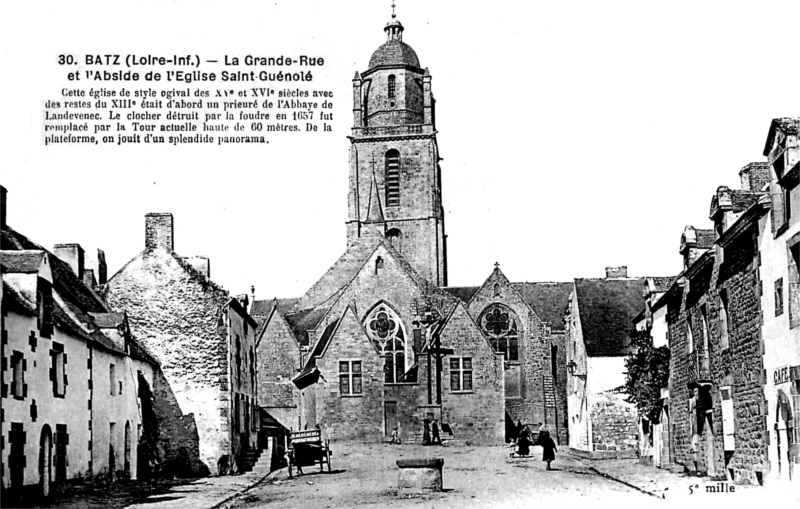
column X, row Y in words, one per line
column 13, row 388
column 24, row 364
column 66, row 379
column 24, row 390
column 65, row 358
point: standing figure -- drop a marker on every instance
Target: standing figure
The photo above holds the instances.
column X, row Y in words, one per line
column 435, row 432
column 395, row 436
column 548, row 447
column 426, row 433
column 524, row 442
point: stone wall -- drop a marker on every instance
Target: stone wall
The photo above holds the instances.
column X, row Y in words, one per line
column 178, row 315
column 278, row 362
column 357, row 416
column 534, row 351
column 738, row 365
column 613, row 423
column 476, row 416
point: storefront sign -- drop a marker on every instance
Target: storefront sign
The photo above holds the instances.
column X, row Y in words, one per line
column 781, row 375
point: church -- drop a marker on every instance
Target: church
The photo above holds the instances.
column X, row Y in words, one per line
column 381, row 342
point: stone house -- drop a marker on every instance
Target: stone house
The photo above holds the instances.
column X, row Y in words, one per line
column 779, row 248
column 205, row 342
column 714, row 316
column 71, row 373
column 601, row 313
column 386, row 305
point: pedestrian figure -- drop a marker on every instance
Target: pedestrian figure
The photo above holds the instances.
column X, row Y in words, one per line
column 395, row 437
column 548, row 447
column 435, row 433
column 426, row 433
column 524, row 443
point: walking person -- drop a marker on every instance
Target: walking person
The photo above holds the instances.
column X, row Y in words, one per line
column 435, row 432
column 548, row 447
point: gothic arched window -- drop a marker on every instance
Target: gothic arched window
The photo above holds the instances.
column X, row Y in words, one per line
column 392, row 178
column 385, row 330
column 500, row 324
column 391, row 86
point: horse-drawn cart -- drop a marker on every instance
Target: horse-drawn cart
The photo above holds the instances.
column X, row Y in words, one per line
column 306, row 448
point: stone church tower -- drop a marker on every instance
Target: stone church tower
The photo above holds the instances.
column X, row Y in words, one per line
column 395, row 178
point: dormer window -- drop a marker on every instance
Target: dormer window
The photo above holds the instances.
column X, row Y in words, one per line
column 378, row 265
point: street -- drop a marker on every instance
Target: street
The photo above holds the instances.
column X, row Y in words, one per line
column 365, row 475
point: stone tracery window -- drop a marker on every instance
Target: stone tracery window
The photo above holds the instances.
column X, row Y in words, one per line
column 500, row 324
column 386, row 332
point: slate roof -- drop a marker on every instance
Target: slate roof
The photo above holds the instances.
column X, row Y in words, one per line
column 463, row 293
column 65, row 282
column 549, row 300
column 75, row 302
column 662, row 284
column 263, row 308
column 15, row 300
column 21, row 262
column 394, row 53
column 108, row 320
column 607, row 308
column 304, row 321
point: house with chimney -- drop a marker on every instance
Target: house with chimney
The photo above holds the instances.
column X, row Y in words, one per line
column 204, row 339
column 71, row 373
column 600, row 317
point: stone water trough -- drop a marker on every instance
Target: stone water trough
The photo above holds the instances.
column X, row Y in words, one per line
column 420, row 475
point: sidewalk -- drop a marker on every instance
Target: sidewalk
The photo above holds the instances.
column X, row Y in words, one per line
column 204, row 493
column 684, row 488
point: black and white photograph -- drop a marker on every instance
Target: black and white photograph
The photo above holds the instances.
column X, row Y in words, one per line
column 396, row 253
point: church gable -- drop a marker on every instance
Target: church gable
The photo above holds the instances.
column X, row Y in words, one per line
column 472, row 381
column 340, row 273
column 498, row 289
column 278, row 361
column 352, row 403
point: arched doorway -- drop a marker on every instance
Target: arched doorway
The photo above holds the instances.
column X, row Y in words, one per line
column 128, row 449
column 45, row 460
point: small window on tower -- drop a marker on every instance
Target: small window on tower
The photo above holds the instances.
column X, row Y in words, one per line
column 392, row 86
column 392, row 178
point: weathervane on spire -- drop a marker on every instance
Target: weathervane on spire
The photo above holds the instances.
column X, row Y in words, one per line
column 393, row 14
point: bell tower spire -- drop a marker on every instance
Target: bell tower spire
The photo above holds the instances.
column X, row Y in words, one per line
column 395, row 178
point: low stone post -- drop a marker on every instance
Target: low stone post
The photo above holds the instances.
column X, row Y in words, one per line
column 418, row 475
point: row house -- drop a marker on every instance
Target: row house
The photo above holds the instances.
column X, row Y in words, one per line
column 733, row 323
column 71, row 373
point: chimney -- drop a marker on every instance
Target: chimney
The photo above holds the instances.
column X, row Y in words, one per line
column 200, row 263
column 621, row 271
column 102, row 268
column 71, row 254
column 755, row 176
column 158, row 231
column 2, row 207
column 88, row 279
